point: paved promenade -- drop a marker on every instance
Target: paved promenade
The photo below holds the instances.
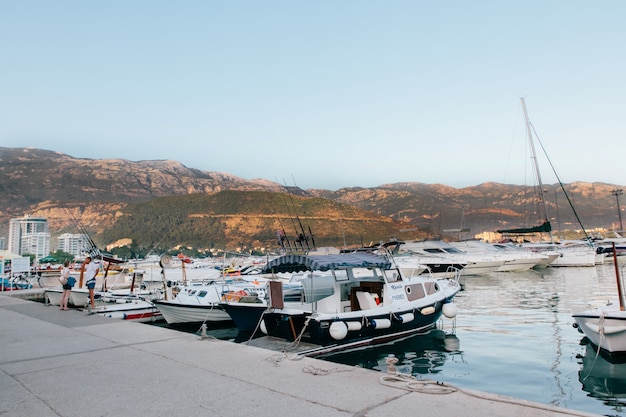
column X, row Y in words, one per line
column 65, row 363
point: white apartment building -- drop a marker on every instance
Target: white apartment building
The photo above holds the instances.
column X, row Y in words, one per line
column 29, row 235
column 75, row 244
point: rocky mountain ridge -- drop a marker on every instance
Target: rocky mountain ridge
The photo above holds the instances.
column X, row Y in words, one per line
column 95, row 192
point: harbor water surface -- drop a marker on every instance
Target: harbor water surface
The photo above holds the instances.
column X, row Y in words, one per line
column 513, row 336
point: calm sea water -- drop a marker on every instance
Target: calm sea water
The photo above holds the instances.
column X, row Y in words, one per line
column 513, row 336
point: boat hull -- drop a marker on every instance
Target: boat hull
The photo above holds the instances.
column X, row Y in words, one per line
column 606, row 329
column 53, row 296
column 140, row 311
column 367, row 330
column 245, row 316
column 177, row 313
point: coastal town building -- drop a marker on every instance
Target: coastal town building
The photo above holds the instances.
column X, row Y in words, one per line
column 29, row 235
column 73, row 243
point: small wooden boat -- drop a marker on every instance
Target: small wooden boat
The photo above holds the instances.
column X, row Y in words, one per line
column 201, row 302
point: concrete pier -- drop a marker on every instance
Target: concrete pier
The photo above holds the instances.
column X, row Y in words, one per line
column 65, row 363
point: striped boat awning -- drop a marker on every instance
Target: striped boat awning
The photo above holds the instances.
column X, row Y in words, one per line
column 298, row 263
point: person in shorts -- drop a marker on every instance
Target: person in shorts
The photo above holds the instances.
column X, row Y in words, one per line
column 91, row 270
column 67, row 288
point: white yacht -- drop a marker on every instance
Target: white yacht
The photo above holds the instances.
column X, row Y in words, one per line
column 515, row 258
column 477, row 263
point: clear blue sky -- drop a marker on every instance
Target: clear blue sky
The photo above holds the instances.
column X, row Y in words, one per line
column 326, row 94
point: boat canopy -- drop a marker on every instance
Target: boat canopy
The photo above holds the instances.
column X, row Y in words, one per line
column 545, row 227
column 299, row 263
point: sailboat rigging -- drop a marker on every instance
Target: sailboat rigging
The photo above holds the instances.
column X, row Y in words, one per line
column 545, row 227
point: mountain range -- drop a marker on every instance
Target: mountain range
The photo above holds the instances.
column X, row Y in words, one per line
column 164, row 201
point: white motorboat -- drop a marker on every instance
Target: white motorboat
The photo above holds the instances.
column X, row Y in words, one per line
column 605, row 327
column 199, row 303
column 53, row 296
column 120, row 304
column 476, row 263
column 515, row 259
column 127, row 307
column 356, row 300
column 569, row 253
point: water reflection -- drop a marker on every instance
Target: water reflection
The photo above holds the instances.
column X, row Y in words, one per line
column 603, row 377
column 517, row 340
column 418, row 355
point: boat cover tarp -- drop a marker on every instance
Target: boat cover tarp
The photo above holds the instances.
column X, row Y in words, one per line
column 299, row 263
column 545, row 227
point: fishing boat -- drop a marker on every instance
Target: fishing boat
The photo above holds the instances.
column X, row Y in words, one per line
column 355, row 300
column 604, row 327
column 199, row 302
column 247, row 310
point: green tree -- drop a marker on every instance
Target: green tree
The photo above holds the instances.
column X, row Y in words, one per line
column 62, row 256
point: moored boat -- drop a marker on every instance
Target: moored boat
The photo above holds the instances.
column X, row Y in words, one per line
column 127, row 307
column 355, row 300
column 200, row 303
column 604, row 327
column 247, row 310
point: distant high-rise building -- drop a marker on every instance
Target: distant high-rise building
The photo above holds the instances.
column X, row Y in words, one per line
column 29, row 235
column 75, row 244
column 3, row 243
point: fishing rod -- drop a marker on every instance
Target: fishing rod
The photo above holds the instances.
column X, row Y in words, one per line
column 291, row 216
column 282, row 235
column 303, row 235
column 93, row 248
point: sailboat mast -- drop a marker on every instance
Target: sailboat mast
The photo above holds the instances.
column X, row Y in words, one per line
column 536, row 164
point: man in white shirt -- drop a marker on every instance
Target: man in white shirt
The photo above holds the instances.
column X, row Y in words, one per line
column 91, row 270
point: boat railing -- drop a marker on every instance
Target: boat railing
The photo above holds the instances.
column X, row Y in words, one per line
column 453, row 274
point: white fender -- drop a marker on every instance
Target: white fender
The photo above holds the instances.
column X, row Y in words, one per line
column 449, row 310
column 406, row 317
column 354, row 325
column 381, row 323
column 338, row 330
column 263, row 327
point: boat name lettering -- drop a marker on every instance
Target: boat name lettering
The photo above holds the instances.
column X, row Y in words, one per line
column 396, row 286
